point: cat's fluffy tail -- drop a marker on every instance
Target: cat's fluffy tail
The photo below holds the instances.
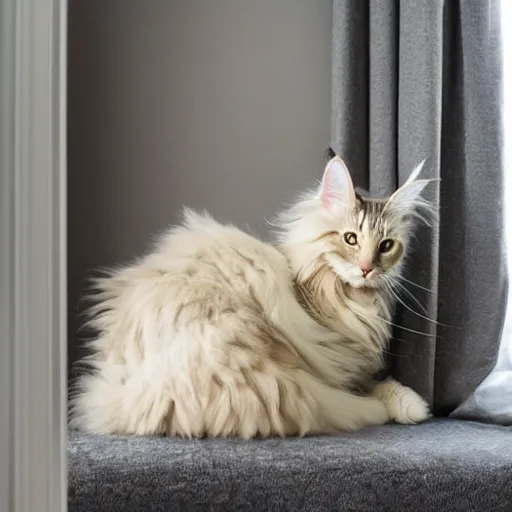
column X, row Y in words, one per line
column 110, row 401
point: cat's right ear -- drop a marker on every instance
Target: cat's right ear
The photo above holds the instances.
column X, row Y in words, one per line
column 337, row 190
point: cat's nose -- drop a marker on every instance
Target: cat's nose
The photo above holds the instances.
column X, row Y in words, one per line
column 366, row 267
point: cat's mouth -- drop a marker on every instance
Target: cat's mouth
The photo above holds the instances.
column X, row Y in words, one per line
column 366, row 279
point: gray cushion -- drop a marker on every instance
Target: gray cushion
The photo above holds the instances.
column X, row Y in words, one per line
column 446, row 465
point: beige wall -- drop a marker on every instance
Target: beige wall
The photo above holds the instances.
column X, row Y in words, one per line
column 216, row 104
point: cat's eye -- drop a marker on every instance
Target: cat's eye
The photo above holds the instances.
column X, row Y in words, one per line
column 350, row 238
column 386, row 245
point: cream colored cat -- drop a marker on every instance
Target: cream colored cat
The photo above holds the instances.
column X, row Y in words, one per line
column 216, row 333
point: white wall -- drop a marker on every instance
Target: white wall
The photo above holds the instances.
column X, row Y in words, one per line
column 217, row 104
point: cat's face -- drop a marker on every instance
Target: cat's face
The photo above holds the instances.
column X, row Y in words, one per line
column 364, row 240
column 368, row 246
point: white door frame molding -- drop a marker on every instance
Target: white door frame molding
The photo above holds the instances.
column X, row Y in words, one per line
column 33, row 434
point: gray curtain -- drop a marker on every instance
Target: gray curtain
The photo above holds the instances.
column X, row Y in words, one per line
column 422, row 79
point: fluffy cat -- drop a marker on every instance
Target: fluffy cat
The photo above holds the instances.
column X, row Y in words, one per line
column 215, row 333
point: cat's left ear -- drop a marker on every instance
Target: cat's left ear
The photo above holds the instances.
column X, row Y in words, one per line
column 408, row 197
column 337, row 189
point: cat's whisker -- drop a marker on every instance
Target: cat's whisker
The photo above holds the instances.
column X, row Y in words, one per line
column 401, row 340
column 411, row 295
column 394, row 354
column 413, row 331
column 420, row 333
column 389, row 284
column 402, row 278
column 449, row 326
column 412, row 310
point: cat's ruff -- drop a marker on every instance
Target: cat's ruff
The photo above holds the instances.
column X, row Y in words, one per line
column 216, row 333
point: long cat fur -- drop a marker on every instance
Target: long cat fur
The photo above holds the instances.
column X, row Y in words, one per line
column 215, row 333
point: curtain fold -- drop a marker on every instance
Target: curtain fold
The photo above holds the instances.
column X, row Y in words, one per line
column 423, row 79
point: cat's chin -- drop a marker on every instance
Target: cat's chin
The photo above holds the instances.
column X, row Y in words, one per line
column 351, row 274
column 371, row 283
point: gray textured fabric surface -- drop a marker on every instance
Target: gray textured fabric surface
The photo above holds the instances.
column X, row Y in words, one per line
column 446, row 465
column 422, row 79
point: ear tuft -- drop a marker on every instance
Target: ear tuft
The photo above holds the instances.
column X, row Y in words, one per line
column 407, row 199
column 337, row 189
column 415, row 173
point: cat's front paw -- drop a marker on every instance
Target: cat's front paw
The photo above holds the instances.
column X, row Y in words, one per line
column 403, row 404
column 409, row 408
